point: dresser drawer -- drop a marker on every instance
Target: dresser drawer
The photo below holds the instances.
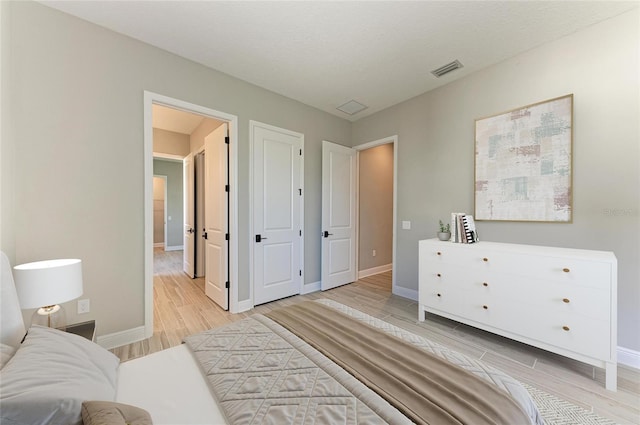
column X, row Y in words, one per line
column 449, row 275
column 545, row 295
column 450, row 253
column 458, row 303
column 569, row 331
column 564, row 270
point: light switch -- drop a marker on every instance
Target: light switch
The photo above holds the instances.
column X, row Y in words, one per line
column 406, row 225
column 169, row 218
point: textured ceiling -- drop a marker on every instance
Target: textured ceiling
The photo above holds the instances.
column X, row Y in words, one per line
column 325, row 54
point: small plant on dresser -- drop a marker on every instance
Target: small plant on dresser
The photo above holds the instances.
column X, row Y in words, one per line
column 445, row 231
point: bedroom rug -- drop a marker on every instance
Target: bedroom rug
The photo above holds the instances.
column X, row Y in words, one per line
column 556, row 411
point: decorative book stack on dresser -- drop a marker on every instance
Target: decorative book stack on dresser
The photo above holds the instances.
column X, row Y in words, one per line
column 558, row 299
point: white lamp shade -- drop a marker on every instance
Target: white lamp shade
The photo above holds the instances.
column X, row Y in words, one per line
column 45, row 283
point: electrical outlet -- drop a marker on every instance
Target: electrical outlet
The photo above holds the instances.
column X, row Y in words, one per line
column 83, row 306
column 374, row 253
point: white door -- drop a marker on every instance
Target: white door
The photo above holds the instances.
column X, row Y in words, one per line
column 215, row 210
column 338, row 215
column 198, row 161
column 277, row 195
column 189, row 217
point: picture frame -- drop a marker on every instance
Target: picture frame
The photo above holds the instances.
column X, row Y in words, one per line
column 523, row 163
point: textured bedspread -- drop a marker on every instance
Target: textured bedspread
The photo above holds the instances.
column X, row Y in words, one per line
column 425, row 387
column 262, row 373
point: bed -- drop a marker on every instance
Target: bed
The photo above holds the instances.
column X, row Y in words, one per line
column 282, row 367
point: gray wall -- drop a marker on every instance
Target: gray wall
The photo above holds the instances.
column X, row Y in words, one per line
column 436, row 151
column 175, row 198
column 77, row 97
column 376, row 206
column 7, row 153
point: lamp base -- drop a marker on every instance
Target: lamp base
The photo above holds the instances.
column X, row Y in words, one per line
column 52, row 316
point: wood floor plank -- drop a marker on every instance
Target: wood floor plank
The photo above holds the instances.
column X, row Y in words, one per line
column 181, row 308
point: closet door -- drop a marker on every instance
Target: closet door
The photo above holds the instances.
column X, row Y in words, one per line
column 277, row 206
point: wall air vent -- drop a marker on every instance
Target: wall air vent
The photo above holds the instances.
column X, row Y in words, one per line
column 447, row 68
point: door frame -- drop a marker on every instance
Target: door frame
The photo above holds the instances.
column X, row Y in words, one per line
column 252, row 125
column 160, row 176
column 386, row 140
column 151, row 98
column 172, row 158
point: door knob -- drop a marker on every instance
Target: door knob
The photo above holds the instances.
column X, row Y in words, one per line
column 260, row 238
column 327, row 234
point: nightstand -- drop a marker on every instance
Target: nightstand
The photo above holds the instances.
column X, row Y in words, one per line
column 84, row 329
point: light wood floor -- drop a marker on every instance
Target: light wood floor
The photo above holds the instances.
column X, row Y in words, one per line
column 181, row 308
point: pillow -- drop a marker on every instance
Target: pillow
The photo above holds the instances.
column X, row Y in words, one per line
column 110, row 413
column 50, row 376
column 6, row 352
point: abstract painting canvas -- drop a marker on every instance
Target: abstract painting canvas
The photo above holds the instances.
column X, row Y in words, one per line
column 523, row 163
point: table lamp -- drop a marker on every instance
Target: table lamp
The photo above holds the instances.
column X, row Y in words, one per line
column 45, row 285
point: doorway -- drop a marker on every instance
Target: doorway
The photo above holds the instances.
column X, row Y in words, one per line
column 151, row 99
column 160, row 211
column 377, row 190
column 377, row 233
column 347, row 249
column 375, row 210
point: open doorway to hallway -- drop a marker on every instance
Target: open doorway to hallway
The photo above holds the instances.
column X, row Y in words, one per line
column 376, row 215
column 175, row 130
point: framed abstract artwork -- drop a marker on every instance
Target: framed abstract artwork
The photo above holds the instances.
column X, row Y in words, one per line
column 523, row 163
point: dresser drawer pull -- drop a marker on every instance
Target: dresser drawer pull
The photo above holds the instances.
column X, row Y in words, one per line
column 438, row 253
column 485, row 259
column 566, row 328
column 486, row 307
column 566, row 300
column 439, row 275
column 485, row 284
column 439, row 295
column 566, row 270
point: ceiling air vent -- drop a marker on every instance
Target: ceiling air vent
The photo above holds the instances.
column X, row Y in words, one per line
column 352, row 107
column 447, row 68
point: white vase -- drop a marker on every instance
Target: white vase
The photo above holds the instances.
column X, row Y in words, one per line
column 444, row 236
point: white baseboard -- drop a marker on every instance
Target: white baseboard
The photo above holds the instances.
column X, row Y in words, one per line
column 412, row 294
column 310, row 287
column 174, row 248
column 118, row 339
column 629, row 357
column 374, row 270
column 244, row 305
column 158, row 245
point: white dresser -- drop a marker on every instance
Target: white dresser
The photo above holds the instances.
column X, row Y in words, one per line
column 561, row 300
